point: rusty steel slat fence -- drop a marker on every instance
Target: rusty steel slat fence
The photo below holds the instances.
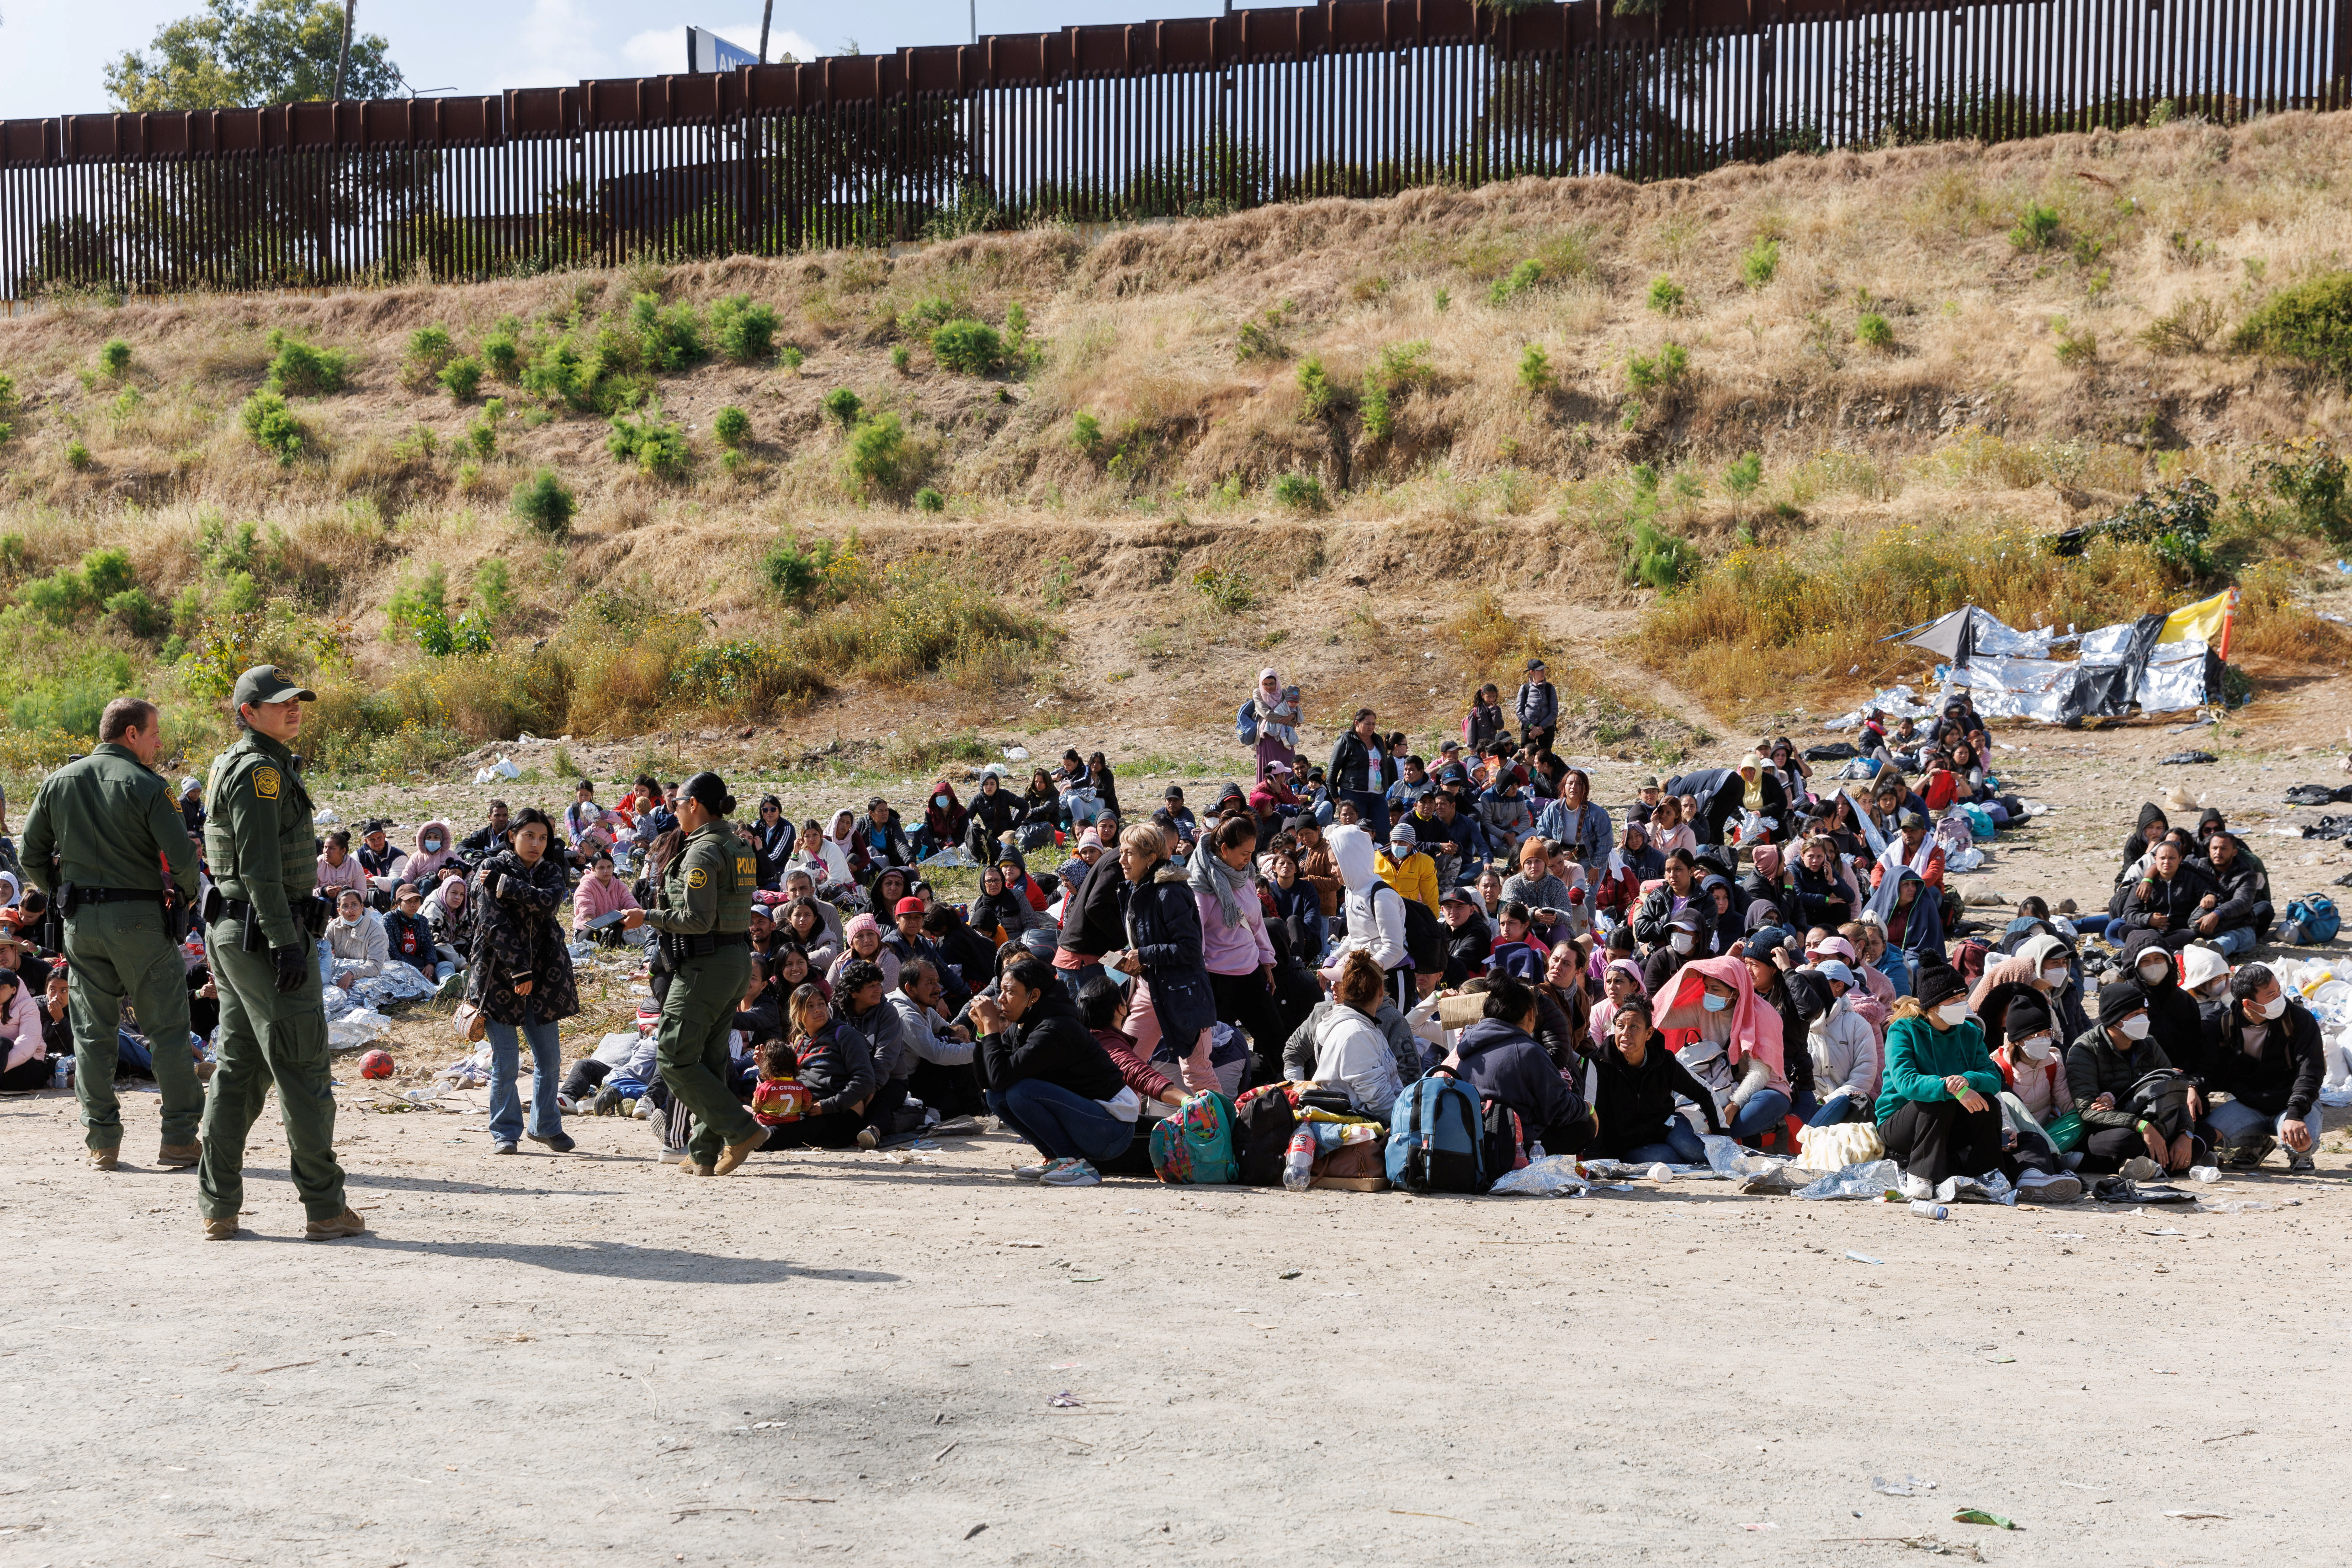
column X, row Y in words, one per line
column 1103, row 124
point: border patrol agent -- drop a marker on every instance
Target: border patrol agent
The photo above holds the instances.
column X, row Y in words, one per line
column 262, row 932
column 704, row 917
column 98, row 838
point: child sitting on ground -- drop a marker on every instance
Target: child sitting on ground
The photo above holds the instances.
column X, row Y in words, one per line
column 779, row 1096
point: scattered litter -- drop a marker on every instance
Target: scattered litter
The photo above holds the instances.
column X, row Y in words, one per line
column 1415, row 1513
column 2079, row 1486
column 1021, row 754
column 2065, row 1236
column 2189, row 758
column 1866, row 1181
column 1909, row 1486
column 1553, row 1176
column 1024, row 1244
column 1289, row 1274
column 1979, row 1516
column 767, row 1426
column 1086, row 1279
column 503, row 767
column 975, row 1529
column 2204, row 1172
column 1867, row 1257
column 2189, row 1513
column 2164, row 1233
column 2000, row 1360
column 2234, row 1206
column 1065, row 1400
column 1767, row 1524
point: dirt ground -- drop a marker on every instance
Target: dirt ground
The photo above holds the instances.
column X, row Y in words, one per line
column 1645, row 1374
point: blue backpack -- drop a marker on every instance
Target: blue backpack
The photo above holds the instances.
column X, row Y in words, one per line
column 1437, row 1137
column 1245, row 723
column 2317, row 917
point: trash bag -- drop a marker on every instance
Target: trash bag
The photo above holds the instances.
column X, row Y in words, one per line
column 503, row 767
column 2318, row 795
column 1554, row 1176
column 1836, row 751
column 2189, row 758
column 1865, row 1181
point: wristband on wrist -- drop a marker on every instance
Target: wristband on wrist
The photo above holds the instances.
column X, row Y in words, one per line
column 2139, row 1126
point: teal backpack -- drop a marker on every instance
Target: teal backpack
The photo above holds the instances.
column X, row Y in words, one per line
column 1195, row 1145
column 2317, row 918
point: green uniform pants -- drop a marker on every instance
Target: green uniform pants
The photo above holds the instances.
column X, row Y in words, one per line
column 691, row 1047
column 267, row 1038
column 114, row 952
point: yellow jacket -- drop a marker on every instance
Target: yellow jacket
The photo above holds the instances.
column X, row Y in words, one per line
column 1416, row 878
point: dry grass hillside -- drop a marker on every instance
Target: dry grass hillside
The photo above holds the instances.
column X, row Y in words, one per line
column 1706, row 439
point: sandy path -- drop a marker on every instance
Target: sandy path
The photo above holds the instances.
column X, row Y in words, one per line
column 546, row 1360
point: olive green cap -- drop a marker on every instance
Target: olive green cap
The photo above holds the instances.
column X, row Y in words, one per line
column 263, row 684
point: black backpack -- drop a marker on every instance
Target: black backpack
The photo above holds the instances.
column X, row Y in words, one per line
column 1424, row 938
column 1263, row 1123
column 2161, row 1097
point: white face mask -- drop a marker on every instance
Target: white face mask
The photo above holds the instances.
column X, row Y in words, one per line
column 2054, row 976
column 2135, row 1027
column 2037, row 1047
column 1680, row 942
column 2275, row 1006
column 1953, row 1012
column 2154, row 973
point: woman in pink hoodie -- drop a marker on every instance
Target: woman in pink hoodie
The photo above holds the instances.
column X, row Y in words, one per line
column 600, row 892
column 1235, row 948
column 432, row 852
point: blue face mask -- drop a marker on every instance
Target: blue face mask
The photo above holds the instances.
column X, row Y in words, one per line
column 1715, row 1004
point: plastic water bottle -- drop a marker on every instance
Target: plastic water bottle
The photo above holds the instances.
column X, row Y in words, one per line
column 2204, row 1172
column 60, row 1071
column 1298, row 1165
column 1926, row 1210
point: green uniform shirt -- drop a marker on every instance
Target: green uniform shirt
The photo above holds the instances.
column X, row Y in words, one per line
column 106, row 819
column 708, row 888
column 258, row 836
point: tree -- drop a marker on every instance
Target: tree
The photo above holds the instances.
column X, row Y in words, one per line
column 236, row 53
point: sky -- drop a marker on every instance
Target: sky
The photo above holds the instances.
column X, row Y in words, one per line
column 53, row 52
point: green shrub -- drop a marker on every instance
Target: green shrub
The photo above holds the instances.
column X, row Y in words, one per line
column 2073, row 347
column 1872, row 331
column 2037, row 228
column 929, row 500
column 482, row 435
column 1231, row 590
column 1759, row 263
column 272, row 425
column 77, row 455
column 494, row 592
column 879, row 454
column 429, row 349
column 71, row 592
column 972, row 348
column 797, row 575
column 2311, row 322
column 902, row 358
column 297, row 367
column 1087, row 435
column 1745, row 473
column 462, row 377
column 1521, row 278
column 1656, row 559
column 1666, row 297
column 1535, row 368
column 655, row 444
column 669, row 337
column 2314, row 483
column 1299, row 491
column 731, row 427
column 115, row 358
column 844, row 405
column 1646, row 373
column 502, row 354
column 1323, row 397
column 127, row 401
column 134, row 610
column 744, row 331
column 544, row 502
column 1401, row 366
column 791, row 357
column 7, row 407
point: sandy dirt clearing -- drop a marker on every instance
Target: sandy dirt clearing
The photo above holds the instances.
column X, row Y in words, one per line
column 549, row 1359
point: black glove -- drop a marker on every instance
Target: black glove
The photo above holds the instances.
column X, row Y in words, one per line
column 292, row 963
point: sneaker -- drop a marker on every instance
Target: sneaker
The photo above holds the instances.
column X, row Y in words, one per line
column 608, row 1102
column 220, row 1229
column 1072, row 1172
column 2247, row 1156
column 178, row 1156
column 2035, row 1187
column 560, row 1142
column 1919, row 1189
column 636, row 1108
column 867, row 1137
column 2139, row 1167
column 1037, row 1172
column 344, row 1224
column 955, row 1127
column 2300, row 1164
column 504, row 1146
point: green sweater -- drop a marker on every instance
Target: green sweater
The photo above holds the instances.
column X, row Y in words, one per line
column 1919, row 1057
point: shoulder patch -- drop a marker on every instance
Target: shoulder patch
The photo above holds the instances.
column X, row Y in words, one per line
column 697, row 878
column 265, row 783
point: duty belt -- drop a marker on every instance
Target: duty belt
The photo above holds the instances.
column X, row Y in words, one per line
column 703, row 944
column 116, row 894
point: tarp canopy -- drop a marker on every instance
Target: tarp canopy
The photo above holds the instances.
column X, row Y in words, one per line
column 1969, row 632
column 2160, row 664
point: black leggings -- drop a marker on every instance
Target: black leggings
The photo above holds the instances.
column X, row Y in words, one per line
column 1243, row 1001
column 952, row 1091
column 829, row 1129
column 27, row 1075
column 1932, row 1139
column 584, row 1077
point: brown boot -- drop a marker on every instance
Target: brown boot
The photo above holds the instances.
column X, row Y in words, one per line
column 344, row 1224
column 179, row 1154
column 104, row 1159
column 220, row 1229
column 742, row 1150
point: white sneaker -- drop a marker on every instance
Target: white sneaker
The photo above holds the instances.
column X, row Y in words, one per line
column 1037, row 1172
column 867, row 1137
column 2139, row 1167
column 1071, row 1173
column 2035, row 1187
column 1917, row 1189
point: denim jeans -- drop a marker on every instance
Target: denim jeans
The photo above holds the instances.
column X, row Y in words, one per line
column 1678, row 1145
column 1371, row 814
column 1074, row 980
column 1841, row 1108
column 2235, row 1122
column 1059, row 1122
column 507, row 1125
column 1762, row 1112
column 2234, row 942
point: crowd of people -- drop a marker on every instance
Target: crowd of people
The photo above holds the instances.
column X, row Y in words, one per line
column 1748, row 951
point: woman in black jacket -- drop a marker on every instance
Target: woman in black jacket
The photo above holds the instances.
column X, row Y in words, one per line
column 1163, row 951
column 520, row 978
column 1048, row 1079
column 1360, row 769
column 994, row 812
column 1104, row 783
column 1635, row 1081
column 772, row 842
